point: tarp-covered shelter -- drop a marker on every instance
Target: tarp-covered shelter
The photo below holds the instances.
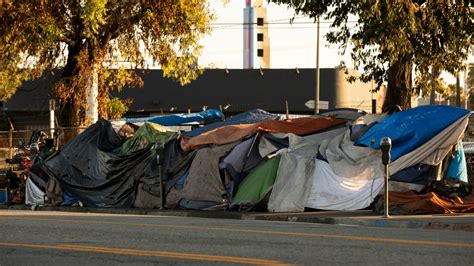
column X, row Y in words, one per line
column 256, row 162
column 90, row 171
column 249, row 117
column 203, row 117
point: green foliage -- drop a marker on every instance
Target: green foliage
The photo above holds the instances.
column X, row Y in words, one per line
column 116, row 108
column 397, row 33
column 85, row 37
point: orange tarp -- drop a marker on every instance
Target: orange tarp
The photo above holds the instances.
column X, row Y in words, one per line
column 430, row 203
column 229, row 134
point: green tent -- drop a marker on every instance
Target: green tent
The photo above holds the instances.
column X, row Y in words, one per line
column 257, row 184
column 146, row 134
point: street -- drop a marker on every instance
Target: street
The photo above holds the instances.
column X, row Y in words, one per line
column 59, row 238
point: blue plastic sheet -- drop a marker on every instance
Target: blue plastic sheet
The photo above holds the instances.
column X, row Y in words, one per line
column 411, row 128
column 207, row 116
column 457, row 168
column 249, row 117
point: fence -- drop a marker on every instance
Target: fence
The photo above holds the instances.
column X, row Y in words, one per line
column 12, row 139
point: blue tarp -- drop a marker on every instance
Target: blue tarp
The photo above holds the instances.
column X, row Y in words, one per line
column 249, row 117
column 457, row 168
column 208, row 116
column 411, row 128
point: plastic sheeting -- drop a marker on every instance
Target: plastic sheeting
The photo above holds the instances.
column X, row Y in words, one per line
column 204, row 181
column 411, row 128
column 229, row 134
column 457, row 167
column 243, row 158
column 249, row 117
column 293, row 183
column 332, row 192
column 146, row 134
column 434, row 150
column 207, row 116
column 257, row 184
column 33, row 195
column 410, row 202
column 97, row 177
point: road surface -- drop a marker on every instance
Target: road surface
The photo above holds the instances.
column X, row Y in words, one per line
column 59, row 238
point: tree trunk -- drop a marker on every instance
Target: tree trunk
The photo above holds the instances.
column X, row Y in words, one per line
column 92, row 108
column 398, row 95
column 67, row 117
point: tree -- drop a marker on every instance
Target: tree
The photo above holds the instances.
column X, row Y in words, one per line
column 86, row 39
column 391, row 37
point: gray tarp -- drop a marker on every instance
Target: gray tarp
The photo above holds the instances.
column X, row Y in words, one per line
column 33, row 195
column 204, row 181
column 293, row 182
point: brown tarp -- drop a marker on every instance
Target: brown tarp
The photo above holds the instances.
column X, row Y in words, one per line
column 229, row 134
column 410, row 202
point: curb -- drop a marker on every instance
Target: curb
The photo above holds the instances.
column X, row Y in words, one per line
column 358, row 218
column 375, row 222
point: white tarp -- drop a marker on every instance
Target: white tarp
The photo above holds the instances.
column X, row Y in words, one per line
column 33, row 195
column 293, row 182
column 351, row 161
column 333, row 192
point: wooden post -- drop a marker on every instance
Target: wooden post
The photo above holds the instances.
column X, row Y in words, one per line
column 287, row 110
column 10, row 139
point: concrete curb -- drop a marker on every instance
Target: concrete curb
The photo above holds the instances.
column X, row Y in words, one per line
column 355, row 218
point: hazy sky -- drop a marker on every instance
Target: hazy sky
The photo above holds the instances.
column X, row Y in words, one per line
column 290, row 45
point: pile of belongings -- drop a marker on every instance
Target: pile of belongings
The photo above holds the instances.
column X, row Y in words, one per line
column 255, row 161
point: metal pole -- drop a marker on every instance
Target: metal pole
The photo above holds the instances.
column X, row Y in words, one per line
column 162, row 190
column 385, row 146
column 433, row 93
column 316, row 100
column 52, row 106
column 458, row 90
column 385, row 208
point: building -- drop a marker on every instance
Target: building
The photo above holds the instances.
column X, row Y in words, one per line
column 256, row 40
column 233, row 90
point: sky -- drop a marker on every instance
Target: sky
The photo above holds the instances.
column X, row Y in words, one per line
column 291, row 45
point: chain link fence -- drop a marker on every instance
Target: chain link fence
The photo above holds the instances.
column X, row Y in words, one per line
column 11, row 140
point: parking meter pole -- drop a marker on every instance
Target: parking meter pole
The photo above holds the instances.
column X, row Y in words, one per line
column 162, row 190
column 385, row 209
column 385, row 146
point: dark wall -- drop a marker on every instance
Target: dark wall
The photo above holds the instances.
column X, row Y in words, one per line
column 242, row 89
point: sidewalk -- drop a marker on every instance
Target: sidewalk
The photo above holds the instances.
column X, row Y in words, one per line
column 454, row 222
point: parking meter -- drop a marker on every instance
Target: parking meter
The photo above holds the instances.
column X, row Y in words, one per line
column 386, row 146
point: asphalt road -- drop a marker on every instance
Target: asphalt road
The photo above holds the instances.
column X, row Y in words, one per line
column 56, row 238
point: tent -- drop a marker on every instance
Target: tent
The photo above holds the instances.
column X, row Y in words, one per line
column 89, row 170
column 249, row 117
column 207, row 116
column 256, row 185
column 411, row 128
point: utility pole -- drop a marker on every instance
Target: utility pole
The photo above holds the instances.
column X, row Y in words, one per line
column 458, row 90
column 433, row 93
column 316, row 100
